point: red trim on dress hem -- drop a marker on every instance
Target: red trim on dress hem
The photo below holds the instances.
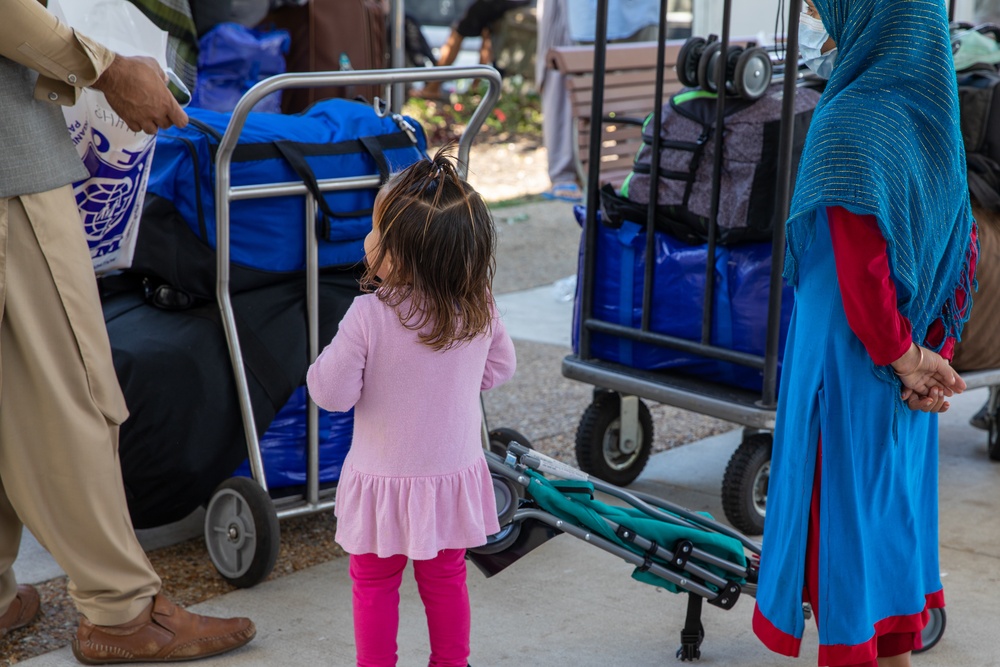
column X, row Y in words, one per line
column 844, row 654
column 772, row 637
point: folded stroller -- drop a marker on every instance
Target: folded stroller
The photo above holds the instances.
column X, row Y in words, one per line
column 671, row 547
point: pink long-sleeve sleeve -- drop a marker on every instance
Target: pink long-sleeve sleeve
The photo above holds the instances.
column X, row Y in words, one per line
column 334, row 379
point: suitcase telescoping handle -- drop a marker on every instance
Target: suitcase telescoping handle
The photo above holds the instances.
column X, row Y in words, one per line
column 224, row 194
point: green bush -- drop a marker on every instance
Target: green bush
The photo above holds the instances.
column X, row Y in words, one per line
column 518, row 114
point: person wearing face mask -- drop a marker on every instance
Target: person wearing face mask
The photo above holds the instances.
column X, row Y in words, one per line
column 817, row 49
column 881, row 250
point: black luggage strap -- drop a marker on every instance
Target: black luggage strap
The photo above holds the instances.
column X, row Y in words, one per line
column 693, row 632
column 374, row 149
column 257, row 359
column 297, row 161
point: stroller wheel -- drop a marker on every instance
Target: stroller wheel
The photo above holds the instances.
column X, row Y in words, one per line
column 600, row 449
column 687, row 60
column 752, row 75
column 744, row 486
column 500, row 541
column 707, row 64
column 501, row 437
column 508, row 495
column 933, row 631
column 242, row 532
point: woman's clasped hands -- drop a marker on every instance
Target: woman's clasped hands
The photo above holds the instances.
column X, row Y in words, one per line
column 928, row 379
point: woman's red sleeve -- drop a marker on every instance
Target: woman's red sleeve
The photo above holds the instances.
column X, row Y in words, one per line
column 869, row 293
column 866, row 287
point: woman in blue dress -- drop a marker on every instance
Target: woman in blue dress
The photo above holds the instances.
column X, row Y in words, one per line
column 881, row 252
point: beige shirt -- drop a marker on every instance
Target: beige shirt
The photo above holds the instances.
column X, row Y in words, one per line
column 65, row 60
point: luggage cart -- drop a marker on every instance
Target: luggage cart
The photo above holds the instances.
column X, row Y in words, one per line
column 614, row 437
column 241, row 522
column 670, row 546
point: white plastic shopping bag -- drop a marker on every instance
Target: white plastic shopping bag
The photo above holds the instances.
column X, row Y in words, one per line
column 110, row 200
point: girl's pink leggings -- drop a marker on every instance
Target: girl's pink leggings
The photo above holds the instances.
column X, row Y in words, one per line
column 441, row 583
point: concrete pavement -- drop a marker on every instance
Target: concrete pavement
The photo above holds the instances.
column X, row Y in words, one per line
column 571, row 604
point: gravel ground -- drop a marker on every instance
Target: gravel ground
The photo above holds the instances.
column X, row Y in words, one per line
column 538, row 246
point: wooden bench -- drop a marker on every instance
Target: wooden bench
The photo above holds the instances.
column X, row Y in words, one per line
column 629, row 89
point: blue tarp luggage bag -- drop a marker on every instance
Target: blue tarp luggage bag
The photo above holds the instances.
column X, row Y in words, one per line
column 283, row 446
column 233, row 58
column 332, row 139
column 739, row 317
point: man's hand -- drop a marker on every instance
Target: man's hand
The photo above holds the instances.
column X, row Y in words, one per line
column 136, row 88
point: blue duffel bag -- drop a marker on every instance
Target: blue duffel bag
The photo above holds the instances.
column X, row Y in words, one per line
column 283, row 446
column 332, row 139
column 739, row 314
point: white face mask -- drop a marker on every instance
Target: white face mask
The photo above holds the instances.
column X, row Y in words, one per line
column 812, row 37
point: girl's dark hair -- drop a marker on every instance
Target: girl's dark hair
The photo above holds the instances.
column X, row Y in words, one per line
column 438, row 235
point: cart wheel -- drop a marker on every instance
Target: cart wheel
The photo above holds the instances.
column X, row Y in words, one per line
column 501, row 437
column 508, row 496
column 994, row 422
column 994, row 438
column 599, row 450
column 687, row 61
column 752, row 74
column 707, row 65
column 241, row 532
column 744, row 486
column 500, row 541
column 934, row 629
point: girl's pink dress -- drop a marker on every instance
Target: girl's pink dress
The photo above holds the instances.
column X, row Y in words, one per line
column 415, row 480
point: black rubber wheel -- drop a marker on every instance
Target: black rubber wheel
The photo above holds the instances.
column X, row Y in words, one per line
column 242, row 532
column 500, row 541
column 744, row 486
column 599, row 450
column 707, row 67
column 687, row 61
column 934, row 629
column 994, row 436
column 501, row 437
column 732, row 58
column 508, row 495
column 752, row 74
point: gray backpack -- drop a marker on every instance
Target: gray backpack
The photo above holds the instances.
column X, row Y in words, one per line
column 687, row 154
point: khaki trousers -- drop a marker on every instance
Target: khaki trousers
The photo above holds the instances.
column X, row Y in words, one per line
column 60, row 406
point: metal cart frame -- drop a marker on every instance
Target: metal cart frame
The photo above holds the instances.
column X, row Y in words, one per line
column 618, row 439
column 241, row 523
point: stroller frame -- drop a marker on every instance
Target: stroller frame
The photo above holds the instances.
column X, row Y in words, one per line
column 525, row 526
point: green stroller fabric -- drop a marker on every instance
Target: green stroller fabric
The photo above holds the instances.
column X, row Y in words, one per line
column 574, row 502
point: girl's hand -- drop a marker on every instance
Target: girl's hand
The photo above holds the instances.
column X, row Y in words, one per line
column 927, row 375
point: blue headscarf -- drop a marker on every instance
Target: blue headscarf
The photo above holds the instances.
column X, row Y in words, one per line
column 885, row 141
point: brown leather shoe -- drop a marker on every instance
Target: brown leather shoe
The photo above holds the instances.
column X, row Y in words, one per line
column 168, row 634
column 22, row 611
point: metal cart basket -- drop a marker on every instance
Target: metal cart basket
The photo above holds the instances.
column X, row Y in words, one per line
column 241, row 523
column 614, row 438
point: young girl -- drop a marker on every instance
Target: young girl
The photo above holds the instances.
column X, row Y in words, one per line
column 411, row 358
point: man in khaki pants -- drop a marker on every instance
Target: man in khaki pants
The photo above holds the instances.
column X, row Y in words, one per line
column 60, row 403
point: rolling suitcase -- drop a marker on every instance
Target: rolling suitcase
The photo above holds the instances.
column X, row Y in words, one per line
column 332, row 36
